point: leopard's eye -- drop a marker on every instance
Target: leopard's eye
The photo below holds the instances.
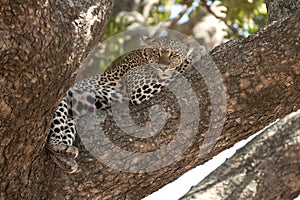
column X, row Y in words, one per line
column 147, row 52
column 155, row 52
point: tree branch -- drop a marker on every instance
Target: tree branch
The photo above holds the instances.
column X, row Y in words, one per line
column 261, row 75
column 44, row 43
column 281, row 9
column 233, row 30
column 266, row 168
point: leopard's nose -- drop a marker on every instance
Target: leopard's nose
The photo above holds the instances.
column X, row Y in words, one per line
column 163, row 67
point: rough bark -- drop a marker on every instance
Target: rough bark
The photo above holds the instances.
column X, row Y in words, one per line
column 260, row 73
column 281, row 9
column 270, row 160
column 42, row 45
column 261, row 76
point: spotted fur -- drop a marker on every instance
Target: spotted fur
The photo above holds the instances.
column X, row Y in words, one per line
column 137, row 77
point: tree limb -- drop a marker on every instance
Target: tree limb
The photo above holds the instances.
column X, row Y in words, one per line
column 261, row 75
column 266, row 168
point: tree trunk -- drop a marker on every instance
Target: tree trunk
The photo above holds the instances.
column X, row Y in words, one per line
column 266, row 168
column 42, row 45
column 260, row 73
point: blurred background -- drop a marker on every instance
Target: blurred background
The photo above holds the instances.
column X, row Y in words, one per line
column 210, row 22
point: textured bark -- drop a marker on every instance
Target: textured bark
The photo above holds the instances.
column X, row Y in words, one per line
column 42, row 45
column 268, row 167
column 271, row 160
column 261, row 76
column 42, row 50
column 281, row 9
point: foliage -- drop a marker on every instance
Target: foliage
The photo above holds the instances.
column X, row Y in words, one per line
column 114, row 27
column 246, row 16
column 242, row 17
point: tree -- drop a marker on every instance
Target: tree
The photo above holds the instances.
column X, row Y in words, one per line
column 42, row 46
column 266, row 168
column 41, row 52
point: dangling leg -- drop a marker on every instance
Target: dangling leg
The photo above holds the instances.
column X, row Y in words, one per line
column 61, row 142
column 61, row 137
column 78, row 102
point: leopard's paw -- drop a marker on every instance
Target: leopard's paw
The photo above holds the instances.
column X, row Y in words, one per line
column 66, row 163
column 63, row 150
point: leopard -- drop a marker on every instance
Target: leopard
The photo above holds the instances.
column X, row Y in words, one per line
column 136, row 77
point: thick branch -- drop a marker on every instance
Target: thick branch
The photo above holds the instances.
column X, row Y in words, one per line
column 266, row 168
column 281, row 9
column 261, row 76
column 45, row 41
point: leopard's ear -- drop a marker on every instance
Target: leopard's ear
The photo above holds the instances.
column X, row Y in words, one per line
column 145, row 40
column 189, row 52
